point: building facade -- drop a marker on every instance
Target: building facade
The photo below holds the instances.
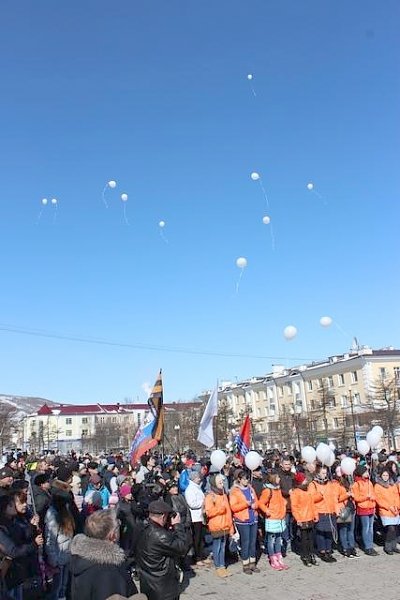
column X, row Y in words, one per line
column 337, row 400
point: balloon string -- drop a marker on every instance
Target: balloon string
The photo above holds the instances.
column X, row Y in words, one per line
column 272, row 238
column 39, row 217
column 264, row 191
column 320, row 197
column 238, row 281
column 104, row 195
column 339, row 328
column 253, row 90
column 125, row 217
column 163, row 236
column 55, row 214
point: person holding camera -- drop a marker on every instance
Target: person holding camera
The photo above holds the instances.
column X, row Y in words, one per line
column 162, row 543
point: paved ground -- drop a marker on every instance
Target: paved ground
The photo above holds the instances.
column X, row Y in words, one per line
column 365, row 578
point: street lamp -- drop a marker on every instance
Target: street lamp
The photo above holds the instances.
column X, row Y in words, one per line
column 352, row 417
column 177, row 428
column 56, row 413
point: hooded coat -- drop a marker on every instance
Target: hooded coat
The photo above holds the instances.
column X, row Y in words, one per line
column 98, row 570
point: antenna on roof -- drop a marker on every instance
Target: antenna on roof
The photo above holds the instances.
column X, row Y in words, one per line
column 355, row 345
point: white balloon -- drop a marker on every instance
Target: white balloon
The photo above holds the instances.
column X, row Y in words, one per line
column 378, row 430
column 308, row 454
column 255, row 176
column 310, row 186
column 325, row 321
column 323, row 452
column 218, row 459
column 330, row 459
column 363, row 447
column 332, row 446
column 374, row 456
column 266, row 220
column 241, row 262
column 54, row 200
column 161, row 224
column 44, row 201
column 252, row 460
column 373, row 438
column 124, row 197
column 348, row 465
column 289, row 332
column 112, row 184
column 250, row 76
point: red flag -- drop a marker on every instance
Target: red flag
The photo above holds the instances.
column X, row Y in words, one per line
column 243, row 440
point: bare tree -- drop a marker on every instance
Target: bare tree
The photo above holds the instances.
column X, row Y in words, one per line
column 8, row 416
column 384, row 402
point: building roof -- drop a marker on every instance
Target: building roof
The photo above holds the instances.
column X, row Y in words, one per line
column 90, row 409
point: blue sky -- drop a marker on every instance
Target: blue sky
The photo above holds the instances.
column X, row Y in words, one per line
column 155, row 95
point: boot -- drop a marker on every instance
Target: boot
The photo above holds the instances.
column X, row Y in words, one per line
column 246, row 567
column 313, row 560
column 273, row 561
column 253, row 565
column 306, row 561
column 280, row 561
column 221, row 572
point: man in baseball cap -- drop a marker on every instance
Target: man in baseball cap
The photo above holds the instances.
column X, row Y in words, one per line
column 162, row 543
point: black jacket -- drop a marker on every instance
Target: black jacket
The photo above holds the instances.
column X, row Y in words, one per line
column 129, row 513
column 98, row 570
column 287, row 483
column 157, row 551
column 42, row 500
column 16, row 541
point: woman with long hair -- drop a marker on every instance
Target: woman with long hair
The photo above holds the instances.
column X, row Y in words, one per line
column 346, row 513
column 364, row 497
column 273, row 505
column 243, row 501
column 305, row 514
column 19, row 542
column 323, row 493
column 388, row 504
column 219, row 521
column 61, row 524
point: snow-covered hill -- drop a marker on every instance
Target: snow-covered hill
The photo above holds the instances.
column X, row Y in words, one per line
column 25, row 405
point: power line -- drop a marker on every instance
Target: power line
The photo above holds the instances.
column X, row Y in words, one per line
column 138, row 345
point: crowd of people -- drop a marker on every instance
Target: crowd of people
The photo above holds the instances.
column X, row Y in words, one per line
column 97, row 528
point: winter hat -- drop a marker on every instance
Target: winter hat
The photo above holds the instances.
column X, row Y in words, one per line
column 121, row 479
column 193, row 475
column 360, row 470
column 124, row 490
column 113, row 500
column 41, row 478
column 6, row 472
column 299, row 478
column 63, row 473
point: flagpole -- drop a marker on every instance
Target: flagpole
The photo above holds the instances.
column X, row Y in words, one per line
column 216, row 422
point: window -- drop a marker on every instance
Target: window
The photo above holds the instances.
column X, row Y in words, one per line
column 68, row 421
column 113, row 419
column 84, row 420
column 331, row 401
column 341, row 379
column 397, row 374
column 33, row 422
column 270, row 393
column 343, row 401
column 102, row 419
column 335, row 422
column 356, row 398
column 84, row 432
column 329, row 382
column 382, row 371
column 289, row 389
column 354, row 377
column 68, row 433
column 139, row 418
column 309, row 386
column 280, row 390
column 320, row 384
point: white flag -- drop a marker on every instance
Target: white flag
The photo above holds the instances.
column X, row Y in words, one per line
column 206, row 432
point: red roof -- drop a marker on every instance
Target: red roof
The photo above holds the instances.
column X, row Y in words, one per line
column 85, row 409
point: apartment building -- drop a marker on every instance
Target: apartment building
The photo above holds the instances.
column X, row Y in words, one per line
column 336, row 399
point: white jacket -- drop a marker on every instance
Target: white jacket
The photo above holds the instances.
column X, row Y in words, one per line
column 195, row 498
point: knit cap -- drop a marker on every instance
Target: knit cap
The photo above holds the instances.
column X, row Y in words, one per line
column 124, row 490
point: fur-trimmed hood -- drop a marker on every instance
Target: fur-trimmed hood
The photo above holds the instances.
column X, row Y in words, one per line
column 92, row 550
